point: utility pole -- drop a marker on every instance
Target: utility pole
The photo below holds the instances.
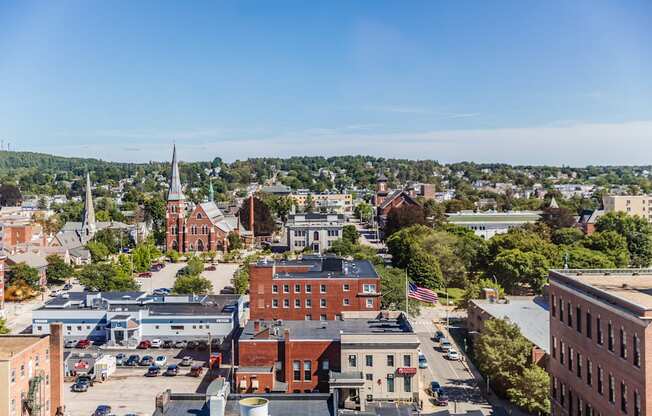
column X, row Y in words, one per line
column 210, row 354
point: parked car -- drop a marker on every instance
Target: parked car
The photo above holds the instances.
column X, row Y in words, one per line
column 161, row 291
column 441, row 399
column 210, row 268
column 445, row 345
column 168, row 344
column 227, row 290
column 438, row 336
column 186, row 361
column 191, row 345
column 147, row 360
column 81, row 385
column 55, row 293
column 434, row 389
column 161, row 360
column 423, row 363
column 145, row 274
column 133, row 360
column 156, row 343
column 153, row 371
column 71, row 343
column 202, row 345
column 144, row 344
column 180, row 344
column 156, row 267
column 172, row 370
column 102, row 410
column 67, row 286
column 120, row 359
column 196, row 371
column 453, row 355
column 83, row 343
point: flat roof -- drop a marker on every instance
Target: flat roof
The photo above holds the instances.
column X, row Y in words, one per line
column 629, row 288
column 321, row 268
column 14, row 344
column 497, row 217
column 531, row 314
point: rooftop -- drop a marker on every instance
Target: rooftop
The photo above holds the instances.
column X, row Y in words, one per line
column 14, row 344
column 529, row 313
column 493, row 216
column 629, row 289
column 321, row 267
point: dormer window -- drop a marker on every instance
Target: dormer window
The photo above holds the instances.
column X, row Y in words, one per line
column 199, row 216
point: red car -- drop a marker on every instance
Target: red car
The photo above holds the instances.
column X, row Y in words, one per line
column 83, row 343
column 145, row 274
column 145, row 344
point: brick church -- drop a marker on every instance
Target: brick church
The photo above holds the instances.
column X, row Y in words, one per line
column 196, row 227
column 384, row 200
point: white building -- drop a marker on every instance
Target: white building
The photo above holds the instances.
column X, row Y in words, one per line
column 487, row 224
column 317, row 231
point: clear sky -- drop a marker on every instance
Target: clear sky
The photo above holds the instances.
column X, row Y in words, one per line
column 538, row 82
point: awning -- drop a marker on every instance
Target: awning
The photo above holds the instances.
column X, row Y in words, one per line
column 254, row 383
column 243, row 384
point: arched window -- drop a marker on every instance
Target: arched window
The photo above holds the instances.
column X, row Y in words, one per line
column 200, row 245
column 204, row 229
column 175, row 246
column 193, row 230
column 192, row 248
column 199, row 216
column 175, row 230
column 316, row 235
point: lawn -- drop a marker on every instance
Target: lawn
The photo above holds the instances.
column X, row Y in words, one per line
column 454, row 294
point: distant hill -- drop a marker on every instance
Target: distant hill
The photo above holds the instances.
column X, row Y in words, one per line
column 16, row 160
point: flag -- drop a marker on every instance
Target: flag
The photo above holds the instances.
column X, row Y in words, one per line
column 422, row 294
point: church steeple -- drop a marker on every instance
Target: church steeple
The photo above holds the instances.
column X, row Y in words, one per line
column 88, row 223
column 211, row 192
column 175, row 193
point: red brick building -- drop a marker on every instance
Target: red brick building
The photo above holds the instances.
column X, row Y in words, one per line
column 313, row 288
column 2, row 284
column 599, row 333
column 385, row 201
column 195, row 228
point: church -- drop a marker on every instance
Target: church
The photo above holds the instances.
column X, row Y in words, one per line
column 196, row 227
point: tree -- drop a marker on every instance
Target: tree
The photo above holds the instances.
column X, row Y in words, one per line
column 144, row 255
column 402, row 217
column 194, row 267
column 263, row 220
column 435, row 212
column 611, row 244
column 155, row 210
column 474, row 291
column 514, row 269
column 363, row 211
column 4, row 329
column 241, row 279
column 636, row 230
column 350, row 233
column 557, row 218
column 235, row 242
column 113, row 240
column 58, row 271
column 584, row 258
column 99, row 252
column 392, row 284
column 192, row 284
column 309, row 205
column 567, row 236
column 531, row 390
column 105, row 277
column 10, row 195
column 424, row 269
column 501, row 352
column 173, row 255
column 21, row 272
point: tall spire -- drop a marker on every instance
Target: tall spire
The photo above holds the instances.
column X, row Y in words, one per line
column 211, row 192
column 175, row 193
column 88, row 223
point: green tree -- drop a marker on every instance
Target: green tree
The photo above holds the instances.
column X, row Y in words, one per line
column 155, row 210
column 58, row 271
column 113, row 240
column 611, row 244
column 501, row 352
column 144, row 255
column 350, row 233
column 515, row 269
column 567, row 236
column 392, row 284
column 106, row 277
column 531, row 390
column 21, row 272
column 402, row 217
column 435, row 212
column 173, row 255
column 363, row 211
column 194, row 267
column 99, row 252
column 4, row 329
column 584, row 258
column 636, row 230
column 235, row 242
column 423, row 268
column 192, row 284
column 474, row 291
column 241, row 279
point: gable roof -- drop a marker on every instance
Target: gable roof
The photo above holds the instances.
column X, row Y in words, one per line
column 395, row 194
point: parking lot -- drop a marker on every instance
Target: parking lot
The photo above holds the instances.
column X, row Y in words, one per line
column 220, row 277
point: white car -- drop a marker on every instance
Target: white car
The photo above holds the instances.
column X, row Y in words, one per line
column 452, row 355
column 160, row 361
column 156, row 343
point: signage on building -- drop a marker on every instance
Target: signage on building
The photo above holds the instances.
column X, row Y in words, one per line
column 406, row 371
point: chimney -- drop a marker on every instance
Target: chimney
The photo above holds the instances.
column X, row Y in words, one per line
column 56, row 365
column 287, row 356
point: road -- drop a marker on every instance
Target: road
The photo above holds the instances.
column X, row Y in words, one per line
column 459, row 383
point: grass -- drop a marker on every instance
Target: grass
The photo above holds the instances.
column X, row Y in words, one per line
column 454, row 295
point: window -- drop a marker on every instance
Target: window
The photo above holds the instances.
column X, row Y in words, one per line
column 610, row 337
column 307, row 370
column 637, row 350
column 274, row 303
column 569, row 317
column 308, row 303
column 370, row 303
column 297, row 288
column 353, row 362
column 369, row 377
column 369, row 288
column 554, row 305
column 345, row 302
column 322, row 317
column 286, row 288
column 308, row 288
column 297, row 303
column 407, row 384
column 623, row 343
column 589, row 329
column 274, row 288
column 600, row 380
column 322, row 288
column 554, row 388
column 598, row 327
column 346, row 287
column 22, row 370
column 390, row 361
column 308, row 317
column 570, row 358
column 369, row 360
column 199, row 216
column 296, row 370
column 37, row 361
column 561, row 310
column 561, row 353
column 554, row 347
column 578, row 365
column 325, row 365
column 286, row 303
column 13, row 376
column 578, row 319
column 612, row 389
column 637, row 403
column 623, row 397
column 407, row 360
column 562, row 396
column 322, row 303
column 177, row 327
column 589, row 372
column 390, row 383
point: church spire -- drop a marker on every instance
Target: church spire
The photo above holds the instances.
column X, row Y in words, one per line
column 175, row 193
column 88, row 223
column 211, row 192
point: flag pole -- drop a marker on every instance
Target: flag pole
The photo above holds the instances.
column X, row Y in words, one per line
column 407, row 290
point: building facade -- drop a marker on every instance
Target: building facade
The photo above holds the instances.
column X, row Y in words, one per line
column 31, row 374
column 490, row 223
column 313, row 288
column 640, row 205
column 314, row 231
column 3, row 258
column 126, row 318
column 599, row 333
column 324, row 202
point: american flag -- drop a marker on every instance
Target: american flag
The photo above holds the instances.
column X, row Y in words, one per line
column 422, row 294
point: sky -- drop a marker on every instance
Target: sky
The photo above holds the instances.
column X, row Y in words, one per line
column 525, row 82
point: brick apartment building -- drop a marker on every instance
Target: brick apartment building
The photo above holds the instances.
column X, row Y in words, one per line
column 364, row 356
column 599, row 333
column 313, row 288
column 31, row 374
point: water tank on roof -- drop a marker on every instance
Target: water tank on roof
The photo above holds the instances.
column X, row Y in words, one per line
column 254, row 406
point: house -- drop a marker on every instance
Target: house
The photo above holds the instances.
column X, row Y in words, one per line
column 313, row 230
column 34, row 260
column 490, row 223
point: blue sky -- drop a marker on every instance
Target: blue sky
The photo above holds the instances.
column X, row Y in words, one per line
column 554, row 82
